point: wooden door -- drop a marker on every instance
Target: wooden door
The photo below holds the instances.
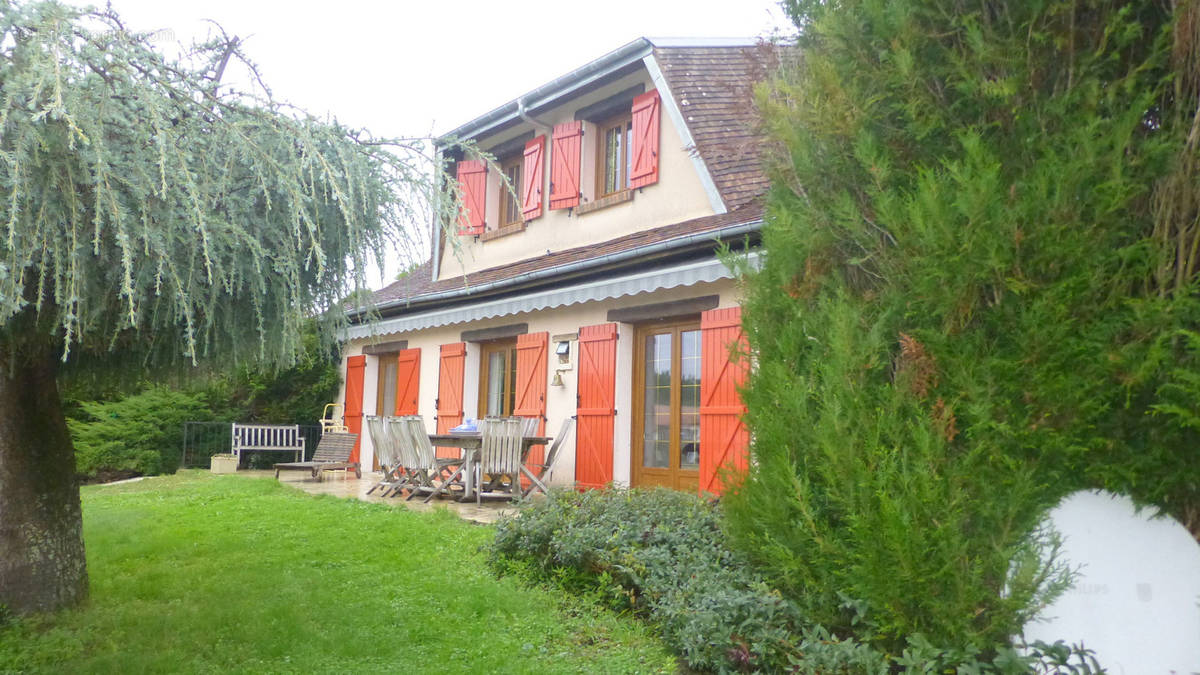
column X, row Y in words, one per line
column 408, row 382
column 385, row 394
column 723, row 433
column 530, row 397
column 353, row 404
column 666, row 401
column 450, row 392
column 595, row 411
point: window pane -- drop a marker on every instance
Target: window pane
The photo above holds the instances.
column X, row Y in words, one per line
column 511, row 394
column 512, row 207
column 495, row 384
column 628, row 155
column 689, row 409
column 656, row 422
column 389, row 386
column 612, row 160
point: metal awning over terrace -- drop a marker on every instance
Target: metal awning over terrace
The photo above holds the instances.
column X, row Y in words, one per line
column 673, row 276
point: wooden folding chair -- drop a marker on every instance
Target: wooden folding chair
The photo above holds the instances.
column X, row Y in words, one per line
column 387, row 453
column 500, row 452
column 535, row 481
column 428, row 470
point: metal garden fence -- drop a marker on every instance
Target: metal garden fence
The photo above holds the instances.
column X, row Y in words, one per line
column 202, row 440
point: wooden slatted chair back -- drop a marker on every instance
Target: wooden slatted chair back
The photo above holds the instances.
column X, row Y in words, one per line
column 381, row 439
column 335, row 447
column 529, row 426
column 553, row 452
column 500, row 441
column 425, row 455
column 406, row 451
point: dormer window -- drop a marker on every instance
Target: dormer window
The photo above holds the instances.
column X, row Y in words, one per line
column 614, row 161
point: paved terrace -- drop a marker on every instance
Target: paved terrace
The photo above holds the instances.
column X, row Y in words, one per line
column 344, row 484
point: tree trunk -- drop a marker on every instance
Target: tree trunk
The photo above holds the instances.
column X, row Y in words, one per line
column 42, row 565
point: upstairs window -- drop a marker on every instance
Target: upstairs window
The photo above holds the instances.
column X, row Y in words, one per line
column 510, row 207
column 614, row 160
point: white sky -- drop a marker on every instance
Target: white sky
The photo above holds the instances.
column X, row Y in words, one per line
column 422, row 68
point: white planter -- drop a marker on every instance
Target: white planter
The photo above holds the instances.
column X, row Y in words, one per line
column 224, row 464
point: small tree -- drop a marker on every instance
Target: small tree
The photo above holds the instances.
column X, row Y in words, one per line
column 150, row 216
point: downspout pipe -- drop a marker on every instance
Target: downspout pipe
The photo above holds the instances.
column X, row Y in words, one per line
column 523, row 113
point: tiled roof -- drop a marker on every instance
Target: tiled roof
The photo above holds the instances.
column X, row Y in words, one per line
column 713, row 88
column 712, row 85
column 418, row 286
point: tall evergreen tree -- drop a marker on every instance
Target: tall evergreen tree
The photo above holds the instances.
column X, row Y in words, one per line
column 151, row 214
column 979, row 294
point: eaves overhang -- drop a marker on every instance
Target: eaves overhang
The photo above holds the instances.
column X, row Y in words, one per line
column 556, row 89
column 632, row 283
column 577, row 81
column 563, row 273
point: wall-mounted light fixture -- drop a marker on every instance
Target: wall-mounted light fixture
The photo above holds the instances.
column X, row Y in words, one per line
column 562, row 349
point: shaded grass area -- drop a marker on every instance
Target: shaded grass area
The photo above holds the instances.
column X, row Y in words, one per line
column 201, row 573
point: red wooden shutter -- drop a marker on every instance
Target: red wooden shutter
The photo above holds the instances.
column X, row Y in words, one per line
column 724, row 440
column 565, row 154
column 531, row 191
column 531, row 388
column 596, row 412
column 472, row 184
column 408, row 381
column 450, row 392
column 353, row 404
column 646, row 110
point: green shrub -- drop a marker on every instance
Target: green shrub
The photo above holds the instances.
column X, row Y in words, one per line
column 138, row 433
column 661, row 554
column 978, row 294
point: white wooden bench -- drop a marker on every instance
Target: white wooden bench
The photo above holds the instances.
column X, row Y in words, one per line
column 266, row 437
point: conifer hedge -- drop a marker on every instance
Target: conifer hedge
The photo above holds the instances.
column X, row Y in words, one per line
column 978, row 295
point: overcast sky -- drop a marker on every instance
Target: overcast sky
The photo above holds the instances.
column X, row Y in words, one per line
column 420, row 68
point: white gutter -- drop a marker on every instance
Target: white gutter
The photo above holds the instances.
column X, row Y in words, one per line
column 685, row 134
column 555, row 89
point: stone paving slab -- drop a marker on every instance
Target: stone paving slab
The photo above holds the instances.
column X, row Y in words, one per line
column 344, row 484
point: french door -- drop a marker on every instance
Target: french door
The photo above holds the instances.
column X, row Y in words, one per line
column 666, row 401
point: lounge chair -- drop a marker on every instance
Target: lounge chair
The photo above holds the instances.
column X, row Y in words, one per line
column 333, row 452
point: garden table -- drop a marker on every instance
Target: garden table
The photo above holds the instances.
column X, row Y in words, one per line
column 471, row 442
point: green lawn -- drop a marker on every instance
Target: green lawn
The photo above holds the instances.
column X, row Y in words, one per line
column 201, row 573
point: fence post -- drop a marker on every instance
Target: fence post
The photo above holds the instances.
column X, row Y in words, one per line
column 183, row 455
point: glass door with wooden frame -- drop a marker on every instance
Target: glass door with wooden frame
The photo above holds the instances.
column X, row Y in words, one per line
column 385, row 399
column 666, row 401
column 497, row 378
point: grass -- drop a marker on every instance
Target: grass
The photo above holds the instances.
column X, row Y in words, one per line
column 203, row 574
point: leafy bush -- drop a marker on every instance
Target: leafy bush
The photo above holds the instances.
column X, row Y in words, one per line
column 661, row 554
column 137, row 434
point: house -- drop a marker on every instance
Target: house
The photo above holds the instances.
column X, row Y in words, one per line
column 596, row 291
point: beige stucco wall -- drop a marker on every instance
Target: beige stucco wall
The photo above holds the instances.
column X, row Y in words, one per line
column 677, row 196
column 560, row 401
